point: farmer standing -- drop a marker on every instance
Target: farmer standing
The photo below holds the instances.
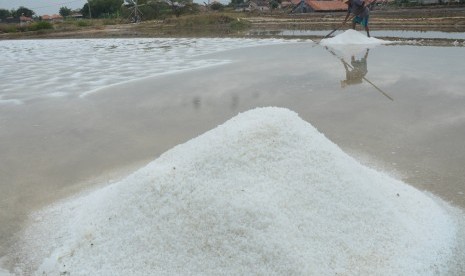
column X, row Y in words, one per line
column 360, row 11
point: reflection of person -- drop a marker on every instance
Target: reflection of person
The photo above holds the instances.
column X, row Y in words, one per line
column 361, row 12
column 356, row 72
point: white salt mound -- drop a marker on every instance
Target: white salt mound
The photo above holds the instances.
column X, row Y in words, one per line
column 263, row 194
column 352, row 37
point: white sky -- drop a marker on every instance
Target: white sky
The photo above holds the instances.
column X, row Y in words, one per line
column 41, row 7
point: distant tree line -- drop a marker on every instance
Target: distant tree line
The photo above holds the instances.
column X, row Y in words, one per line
column 65, row 11
column 21, row 11
column 148, row 9
column 152, row 9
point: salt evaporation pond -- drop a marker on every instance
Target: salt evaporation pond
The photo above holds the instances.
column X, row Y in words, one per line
column 54, row 71
column 264, row 193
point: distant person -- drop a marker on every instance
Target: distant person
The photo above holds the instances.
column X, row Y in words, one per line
column 356, row 71
column 360, row 11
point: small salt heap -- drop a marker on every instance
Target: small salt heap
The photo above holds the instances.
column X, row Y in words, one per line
column 351, row 44
column 263, row 194
column 352, row 37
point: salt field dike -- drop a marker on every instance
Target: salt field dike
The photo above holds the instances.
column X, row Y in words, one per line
column 338, row 155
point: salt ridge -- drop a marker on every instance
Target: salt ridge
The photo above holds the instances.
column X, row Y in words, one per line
column 265, row 193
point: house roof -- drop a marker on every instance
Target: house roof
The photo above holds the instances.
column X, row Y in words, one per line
column 260, row 3
column 286, row 3
column 50, row 17
column 25, row 18
column 327, row 5
column 323, row 5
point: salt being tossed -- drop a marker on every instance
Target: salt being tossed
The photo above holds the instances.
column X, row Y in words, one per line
column 265, row 193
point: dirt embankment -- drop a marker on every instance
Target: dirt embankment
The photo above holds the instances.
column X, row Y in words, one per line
column 426, row 19
column 381, row 18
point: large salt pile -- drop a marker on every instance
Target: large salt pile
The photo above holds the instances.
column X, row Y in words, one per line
column 263, row 194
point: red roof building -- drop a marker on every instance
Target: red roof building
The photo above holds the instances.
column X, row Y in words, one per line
column 304, row 6
column 55, row 17
column 327, row 5
column 23, row 18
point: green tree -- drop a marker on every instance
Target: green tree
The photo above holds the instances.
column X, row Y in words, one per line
column 156, row 9
column 4, row 14
column 85, row 10
column 102, row 8
column 217, row 6
column 65, row 11
column 23, row 11
column 235, row 3
column 273, row 5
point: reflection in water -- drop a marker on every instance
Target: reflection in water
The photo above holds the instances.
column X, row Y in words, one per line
column 234, row 102
column 356, row 70
column 197, row 102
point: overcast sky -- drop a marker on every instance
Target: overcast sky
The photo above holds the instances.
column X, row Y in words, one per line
column 41, row 7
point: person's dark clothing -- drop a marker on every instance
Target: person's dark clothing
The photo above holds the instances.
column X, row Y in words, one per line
column 358, row 8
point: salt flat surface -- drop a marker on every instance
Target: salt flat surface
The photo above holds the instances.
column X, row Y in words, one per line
column 265, row 193
column 33, row 69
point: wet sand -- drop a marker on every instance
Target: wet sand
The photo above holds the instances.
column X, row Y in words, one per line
column 56, row 147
